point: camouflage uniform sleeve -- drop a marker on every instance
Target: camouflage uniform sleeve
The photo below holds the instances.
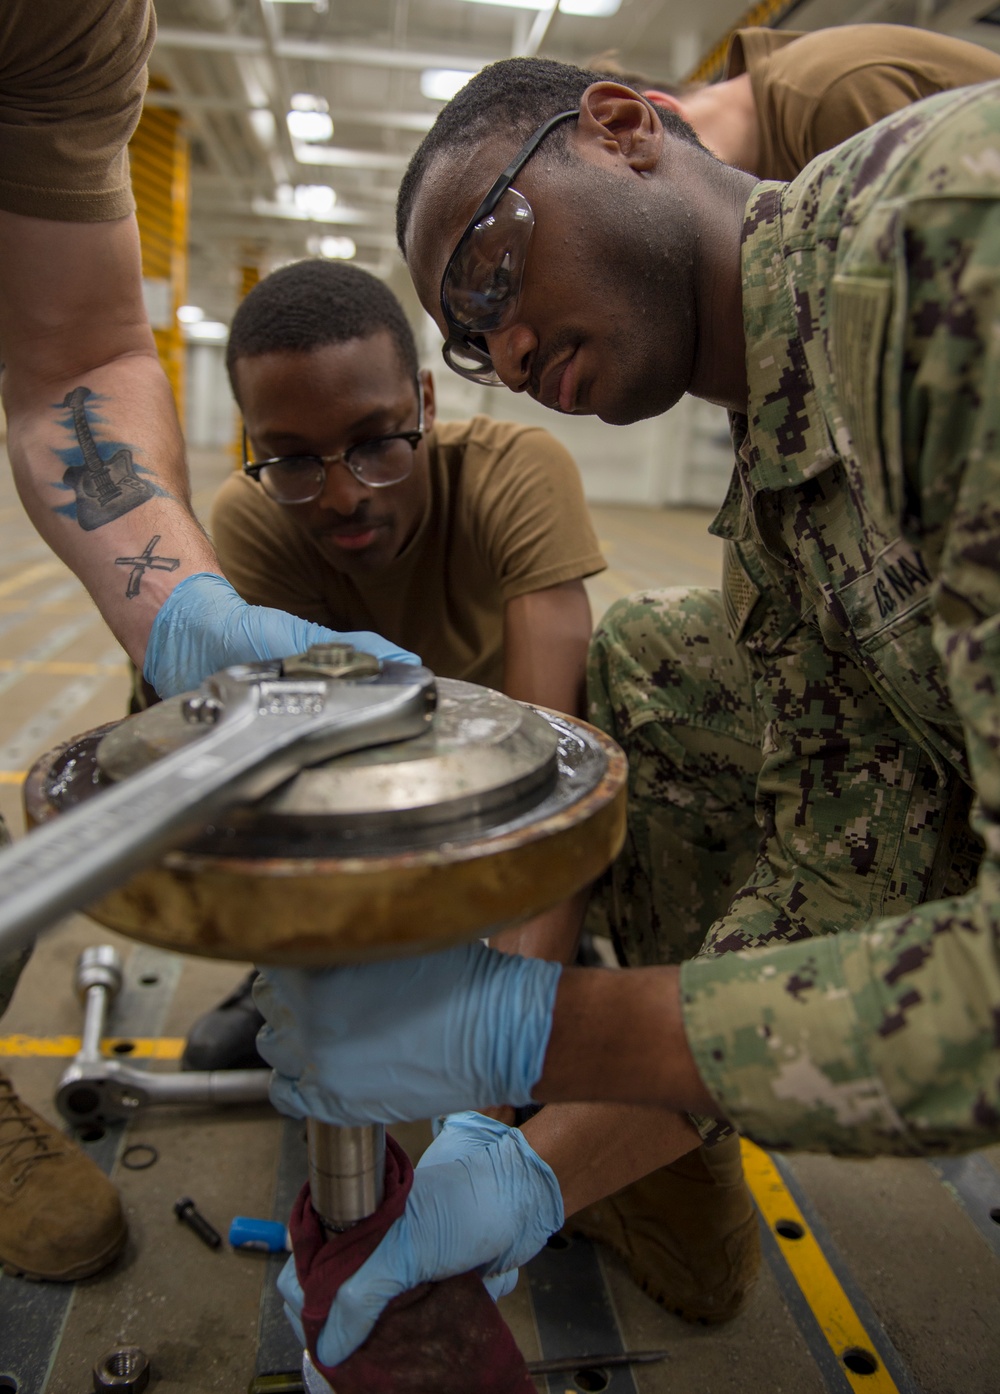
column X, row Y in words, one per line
column 888, row 1039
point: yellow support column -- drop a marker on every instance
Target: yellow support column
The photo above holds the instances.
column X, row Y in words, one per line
column 765, row 12
column 159, row 155
column 249, row 275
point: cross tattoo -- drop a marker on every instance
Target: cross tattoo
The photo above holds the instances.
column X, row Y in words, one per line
column 146, row 561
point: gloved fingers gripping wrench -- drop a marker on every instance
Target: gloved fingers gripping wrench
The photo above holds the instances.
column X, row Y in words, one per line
column 264, row 722
column 94, row 1089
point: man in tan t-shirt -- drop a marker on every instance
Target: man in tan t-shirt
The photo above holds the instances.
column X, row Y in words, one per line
column 786, row 97
column 466, row 542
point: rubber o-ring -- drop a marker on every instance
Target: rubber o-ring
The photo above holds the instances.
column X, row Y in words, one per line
column 151, row 1156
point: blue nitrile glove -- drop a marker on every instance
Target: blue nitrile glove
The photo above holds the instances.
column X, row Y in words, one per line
column 203, row 626
column 482, row 1200
column 382, row 1042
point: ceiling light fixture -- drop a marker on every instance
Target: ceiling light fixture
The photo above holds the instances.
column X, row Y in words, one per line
column 590, row 9
column 308, row 101
column 208, row 331
column 262, row 121
column 314, row 199
column 309, row 125
column 333, row 248
column 441, row 84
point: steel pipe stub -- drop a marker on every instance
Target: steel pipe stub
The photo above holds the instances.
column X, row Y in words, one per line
column 500, row 812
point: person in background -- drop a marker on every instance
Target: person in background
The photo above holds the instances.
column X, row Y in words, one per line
column 466, row 541
column 785, row 97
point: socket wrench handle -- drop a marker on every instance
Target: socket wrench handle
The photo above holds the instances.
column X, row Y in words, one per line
column 98, row 982
column 264, row 729
column 109, row 1091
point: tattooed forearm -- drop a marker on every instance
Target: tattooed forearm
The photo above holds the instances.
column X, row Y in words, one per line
column 104, row 488
column 146, row 561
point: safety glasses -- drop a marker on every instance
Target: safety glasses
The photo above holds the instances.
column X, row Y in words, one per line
column 377, row 462
column 482, row 281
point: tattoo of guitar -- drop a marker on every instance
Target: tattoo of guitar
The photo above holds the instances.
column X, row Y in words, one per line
column 105, row 489
column 145, row 561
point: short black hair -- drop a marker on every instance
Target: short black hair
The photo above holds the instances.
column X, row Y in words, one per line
column 515, row 95
column 310, row 304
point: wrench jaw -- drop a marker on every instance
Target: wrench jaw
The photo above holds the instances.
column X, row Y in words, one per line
column 337, row 699
column 261, row 729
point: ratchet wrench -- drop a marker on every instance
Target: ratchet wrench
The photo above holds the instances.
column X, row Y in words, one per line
column 263, row 723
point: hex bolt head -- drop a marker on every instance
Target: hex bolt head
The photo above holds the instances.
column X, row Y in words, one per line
column 332, row 652
column 126, row 1368
column 201, row 710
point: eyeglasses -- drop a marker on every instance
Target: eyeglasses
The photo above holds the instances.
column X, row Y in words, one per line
column 378, row 462
column 482, row 281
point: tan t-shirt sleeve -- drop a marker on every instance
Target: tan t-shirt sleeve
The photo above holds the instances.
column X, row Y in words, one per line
column 531, row 520
column 263, row 554
column 72, row 80
column 813, row 91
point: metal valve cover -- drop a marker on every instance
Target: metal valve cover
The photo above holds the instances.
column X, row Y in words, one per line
column 496, row 812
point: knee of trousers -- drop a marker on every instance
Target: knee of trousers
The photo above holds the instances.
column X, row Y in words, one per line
column 657, row 653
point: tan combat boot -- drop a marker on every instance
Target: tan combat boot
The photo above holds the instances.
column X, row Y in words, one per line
column 60, row 1216
column 688, row 1233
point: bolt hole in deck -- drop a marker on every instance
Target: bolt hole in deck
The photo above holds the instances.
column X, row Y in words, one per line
column 789, row 1229
column 8, row 1385
column 123, row 1047
column 591, row 1378
column 859, row 1361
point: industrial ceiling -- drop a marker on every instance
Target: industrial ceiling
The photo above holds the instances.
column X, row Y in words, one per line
column 354, row 75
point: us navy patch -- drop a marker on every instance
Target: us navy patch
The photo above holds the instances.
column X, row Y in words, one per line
column 897, row 583
column 898, row 579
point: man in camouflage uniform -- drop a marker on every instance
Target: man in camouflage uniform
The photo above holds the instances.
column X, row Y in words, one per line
column 800, row 752
column 804, row 748
column 795, row 762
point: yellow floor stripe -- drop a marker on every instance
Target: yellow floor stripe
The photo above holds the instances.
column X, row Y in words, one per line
column 65, row 1047
column 13, row 776
column 829, row 1303
column 29, row 576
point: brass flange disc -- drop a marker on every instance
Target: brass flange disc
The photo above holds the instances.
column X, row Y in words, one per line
column 349, row 903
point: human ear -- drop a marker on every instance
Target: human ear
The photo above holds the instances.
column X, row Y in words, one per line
column 622, row 123
column 427, row 387
column 664, row 99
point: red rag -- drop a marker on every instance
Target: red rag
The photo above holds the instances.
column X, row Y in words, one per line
column 441, row 1338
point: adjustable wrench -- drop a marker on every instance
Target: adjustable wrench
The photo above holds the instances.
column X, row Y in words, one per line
column 94, row 1089
column 263, row 723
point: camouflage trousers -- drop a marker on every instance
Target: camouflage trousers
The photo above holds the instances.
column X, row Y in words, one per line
column 772, row 793
column 11, row 965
